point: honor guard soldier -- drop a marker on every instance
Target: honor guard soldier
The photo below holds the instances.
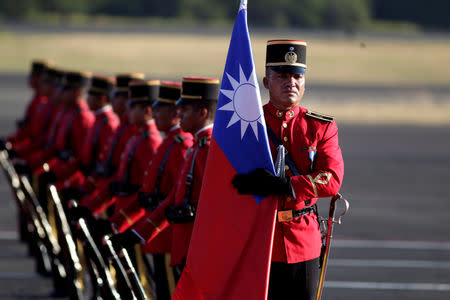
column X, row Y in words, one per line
column 197, row 106
column 316, row 170
column 111, row 151
column 35, row 81
column 76, row 120
column 139, row 150
column 104, row 128
column 45, row 149
column 159, row 179
column 34, row 133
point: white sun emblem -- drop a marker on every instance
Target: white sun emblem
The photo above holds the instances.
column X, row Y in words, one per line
column 244, row 102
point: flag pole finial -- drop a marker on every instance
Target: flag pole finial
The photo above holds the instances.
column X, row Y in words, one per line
column 243, row 4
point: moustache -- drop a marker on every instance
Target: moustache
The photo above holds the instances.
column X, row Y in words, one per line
column 290, row 89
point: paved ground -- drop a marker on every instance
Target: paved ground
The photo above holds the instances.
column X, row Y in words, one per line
column 393, row 244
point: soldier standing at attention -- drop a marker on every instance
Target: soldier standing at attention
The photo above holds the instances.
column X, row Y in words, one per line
column 197, row 106
column 104, row 128
column 25, row 126
column 159, row 179
column 139, row 150
column 76, row 120
column 112, row 149
column 316, row 170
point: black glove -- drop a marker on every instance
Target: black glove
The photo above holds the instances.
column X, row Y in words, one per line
column 47, row 177
column 115, row 187
column 22, row 168
column 144, row 200
column 3, row 144
column 103, row 227
column 21, row 123
column 261, row 182
column 81, row 212
column 71, row 193
column 126, row 239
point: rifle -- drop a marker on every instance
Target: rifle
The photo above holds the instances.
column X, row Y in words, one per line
column 93, row 254
column 35, row 228
column 58, row 269
column 123, row 260
column 68, row 246
column 329, row 234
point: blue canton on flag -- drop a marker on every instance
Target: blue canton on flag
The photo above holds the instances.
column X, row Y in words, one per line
column 239, row 127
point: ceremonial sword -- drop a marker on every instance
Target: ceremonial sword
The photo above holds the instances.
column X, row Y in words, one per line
column 326, row 251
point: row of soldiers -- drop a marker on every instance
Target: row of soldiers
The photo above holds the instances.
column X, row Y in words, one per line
column 129, row 161
column 122, row 174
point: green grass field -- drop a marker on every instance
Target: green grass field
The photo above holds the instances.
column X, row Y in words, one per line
column 380, row 62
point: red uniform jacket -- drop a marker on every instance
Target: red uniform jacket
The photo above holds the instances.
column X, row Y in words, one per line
column 40, row 126
column 313, row 145
column 34, row 108
column 110, row 155
column 36, row 159
column 149, row 228
column 105, row 126
column 178, row 142
column 70, row 136
column 144, row 145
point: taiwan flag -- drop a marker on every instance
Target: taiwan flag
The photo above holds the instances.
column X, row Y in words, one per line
column 231, row 245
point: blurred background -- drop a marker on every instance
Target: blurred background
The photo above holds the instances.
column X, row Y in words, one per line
column 381, row 67
column 368, row 49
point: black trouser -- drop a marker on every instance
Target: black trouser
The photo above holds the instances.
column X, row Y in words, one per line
column 156, row 269
column 294, row 281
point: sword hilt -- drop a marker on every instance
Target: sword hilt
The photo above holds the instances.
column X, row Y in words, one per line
column 333, row 202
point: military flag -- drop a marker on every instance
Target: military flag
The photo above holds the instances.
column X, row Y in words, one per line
column 231, row 245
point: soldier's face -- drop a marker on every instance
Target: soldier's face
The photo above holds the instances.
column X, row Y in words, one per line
column 165, row 117
column 33, row 81
column 93, row 102
column 69, row 96
column 119, row 103
column 136, row 114
column 56, row 97
column 46, row 87
column 190, row 118
column 285, row 89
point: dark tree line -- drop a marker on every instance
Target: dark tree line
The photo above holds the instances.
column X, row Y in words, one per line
column 341, row 14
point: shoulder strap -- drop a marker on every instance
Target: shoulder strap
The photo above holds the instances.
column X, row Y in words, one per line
column 113, row 146
column 69, row 128
column 190, row 177
column 126, row 178
column 161, row 169
column 96, row 137
column 53, row 128
column 287, row 157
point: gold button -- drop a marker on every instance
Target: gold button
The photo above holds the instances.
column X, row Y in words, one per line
column 284, row 125
column 279, row 113
column 291, row 114
column 289, row 198
column 286, row 167
column 285, row 139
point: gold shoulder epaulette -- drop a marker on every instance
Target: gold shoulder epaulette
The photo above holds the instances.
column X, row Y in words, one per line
column 319, row 116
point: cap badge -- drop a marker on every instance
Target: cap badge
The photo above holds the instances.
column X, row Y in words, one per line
column 290, row 57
